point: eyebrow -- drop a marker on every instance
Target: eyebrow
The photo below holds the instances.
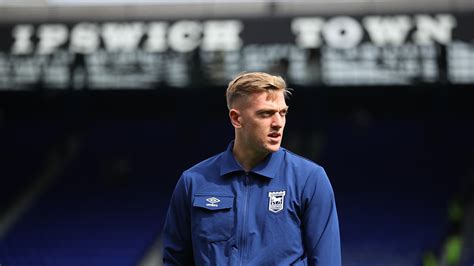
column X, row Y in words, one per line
column 266, row 110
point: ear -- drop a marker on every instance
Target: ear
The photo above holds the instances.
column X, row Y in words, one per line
column 235, row 118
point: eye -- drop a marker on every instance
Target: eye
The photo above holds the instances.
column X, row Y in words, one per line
column 283, row 112
column 266, row 114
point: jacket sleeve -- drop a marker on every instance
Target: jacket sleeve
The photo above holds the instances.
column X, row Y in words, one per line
column 320, row 222
column 177, row 240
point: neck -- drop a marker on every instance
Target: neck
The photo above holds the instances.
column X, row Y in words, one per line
column 247, row 157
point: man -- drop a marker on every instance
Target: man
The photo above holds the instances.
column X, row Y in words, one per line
column 256, row 203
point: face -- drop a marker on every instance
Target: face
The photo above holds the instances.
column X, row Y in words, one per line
column 262, row 119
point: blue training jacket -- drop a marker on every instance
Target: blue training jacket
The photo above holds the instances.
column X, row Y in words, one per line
column 282, row 212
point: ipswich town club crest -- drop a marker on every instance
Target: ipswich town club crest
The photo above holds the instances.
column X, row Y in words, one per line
column 276, row 201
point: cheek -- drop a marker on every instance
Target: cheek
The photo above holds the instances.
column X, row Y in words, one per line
column 263, row 129
column 256, row 130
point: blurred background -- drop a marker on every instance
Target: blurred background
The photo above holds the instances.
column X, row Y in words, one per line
column 104, row 103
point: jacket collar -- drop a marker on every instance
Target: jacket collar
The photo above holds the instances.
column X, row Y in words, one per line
column 268, row 167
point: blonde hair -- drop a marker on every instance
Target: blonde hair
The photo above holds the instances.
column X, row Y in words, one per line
column 254, row 82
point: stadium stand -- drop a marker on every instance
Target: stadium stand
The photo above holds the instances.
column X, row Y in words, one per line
column 24, row 146
column 390, row 217
column 108, row 207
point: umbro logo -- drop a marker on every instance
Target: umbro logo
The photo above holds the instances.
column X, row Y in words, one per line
column 213, row 202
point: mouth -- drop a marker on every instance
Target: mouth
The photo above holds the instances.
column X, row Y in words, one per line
column 274, row 136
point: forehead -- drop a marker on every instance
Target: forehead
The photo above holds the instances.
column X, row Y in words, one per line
column 266, row 100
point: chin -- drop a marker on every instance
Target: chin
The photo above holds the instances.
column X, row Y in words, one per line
column 273, row 147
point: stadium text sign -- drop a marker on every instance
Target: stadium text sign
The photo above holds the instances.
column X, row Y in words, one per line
column 308, row 51
column 223, row 35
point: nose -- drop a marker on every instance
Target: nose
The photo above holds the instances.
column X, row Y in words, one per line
column 278, row 121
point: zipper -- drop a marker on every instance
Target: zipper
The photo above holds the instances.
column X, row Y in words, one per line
column 243, row 234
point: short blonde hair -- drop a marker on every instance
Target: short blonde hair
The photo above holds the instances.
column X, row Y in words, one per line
column 245, row 84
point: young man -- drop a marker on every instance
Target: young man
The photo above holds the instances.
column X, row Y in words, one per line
column 256, row 203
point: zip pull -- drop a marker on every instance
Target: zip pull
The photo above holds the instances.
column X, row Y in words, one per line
column 246, row 180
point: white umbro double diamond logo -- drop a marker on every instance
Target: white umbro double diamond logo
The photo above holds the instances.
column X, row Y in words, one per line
column 213, row 202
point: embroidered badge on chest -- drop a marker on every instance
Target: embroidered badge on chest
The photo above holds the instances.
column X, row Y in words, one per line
column 276, row 201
